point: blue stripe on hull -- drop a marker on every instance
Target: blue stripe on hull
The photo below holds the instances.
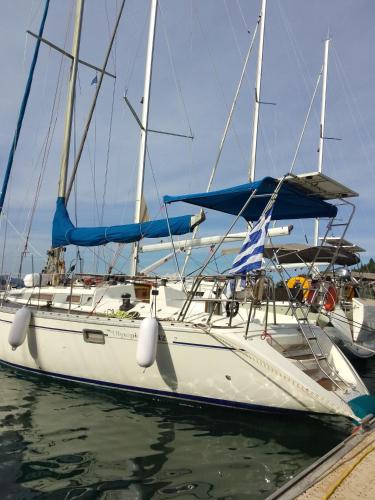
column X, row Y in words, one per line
column 154, row 392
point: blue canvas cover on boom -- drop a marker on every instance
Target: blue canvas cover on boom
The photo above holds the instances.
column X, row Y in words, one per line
column 65, row 233
column 291, row 202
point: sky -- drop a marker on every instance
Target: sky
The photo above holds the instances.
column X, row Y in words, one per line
column 199, row 52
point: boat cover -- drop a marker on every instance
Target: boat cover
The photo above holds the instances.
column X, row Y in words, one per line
column 65, row 233
column 297, row 253
column 292, row 202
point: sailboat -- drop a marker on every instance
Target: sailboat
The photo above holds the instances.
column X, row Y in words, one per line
column 153, row 336
column 331, row 298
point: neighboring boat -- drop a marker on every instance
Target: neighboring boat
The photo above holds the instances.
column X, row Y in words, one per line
column 333, row 300
column 152, row 336
column 351, row 319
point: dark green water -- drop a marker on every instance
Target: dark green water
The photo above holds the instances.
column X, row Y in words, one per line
column 64, row 441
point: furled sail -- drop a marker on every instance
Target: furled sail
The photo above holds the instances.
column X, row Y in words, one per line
column 65, row 233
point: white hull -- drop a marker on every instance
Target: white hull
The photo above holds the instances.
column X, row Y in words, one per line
column 220, row 367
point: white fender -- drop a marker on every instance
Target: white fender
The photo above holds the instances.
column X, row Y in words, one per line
column 147, row 342
column 31, row 280
column 19, row 328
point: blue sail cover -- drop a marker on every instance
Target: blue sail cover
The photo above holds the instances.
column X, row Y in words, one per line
column 291, row 202
column 65, row 233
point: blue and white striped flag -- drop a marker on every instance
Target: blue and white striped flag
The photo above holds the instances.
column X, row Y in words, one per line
column 251, row 253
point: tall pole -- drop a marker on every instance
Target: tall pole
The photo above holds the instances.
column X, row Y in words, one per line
column 322, row 123
column 258, row 80
column 70, row 99
column 55, row 262
column 144, row 121
column 93, row 105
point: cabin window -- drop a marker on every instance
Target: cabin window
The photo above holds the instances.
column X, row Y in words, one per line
column 142, row 292
column 94, row 336
column 74, row 299
column 42, row 296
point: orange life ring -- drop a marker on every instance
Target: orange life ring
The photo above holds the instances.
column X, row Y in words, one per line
column 330, row 299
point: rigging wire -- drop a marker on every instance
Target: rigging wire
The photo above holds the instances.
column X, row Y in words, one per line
column 108, row 154
column 226, row 129
column 242, row 15
column 97, row 256
column 235, row 37
column 34, row 12
column 4, row 237
column 306, row 120
column 113, row 55
column 354, row 112
column 46, row 147
column 37, row 9
column 174, row 72
column 174, row 250
column 113, row 52
column 301, row 63
column 267, row 148
column 215, row 71
column 136, row 53
column 22, row 236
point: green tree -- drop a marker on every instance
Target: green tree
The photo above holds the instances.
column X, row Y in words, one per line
column 369, row 267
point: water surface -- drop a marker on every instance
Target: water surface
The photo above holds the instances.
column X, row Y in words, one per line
column 66, row 441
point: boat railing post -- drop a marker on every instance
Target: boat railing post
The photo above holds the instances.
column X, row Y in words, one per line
column 215, row 304
column 249, row 317
column 273, row 300
column 267, row 307
column 71, row 293
column 39, row 287
column 231, row 307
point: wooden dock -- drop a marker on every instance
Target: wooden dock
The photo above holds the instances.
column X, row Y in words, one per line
column 345, row 473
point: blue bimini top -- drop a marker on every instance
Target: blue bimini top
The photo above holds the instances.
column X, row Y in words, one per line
column 291, row 203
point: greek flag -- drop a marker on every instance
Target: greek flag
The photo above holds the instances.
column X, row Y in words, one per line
column 251, row 253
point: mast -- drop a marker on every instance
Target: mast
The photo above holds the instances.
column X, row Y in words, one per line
column 55, row 264
column 258, row 80
column 144, row 122
column 93, row 105
column 322, row 123
column 70, row 100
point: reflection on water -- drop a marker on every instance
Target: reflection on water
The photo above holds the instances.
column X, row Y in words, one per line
column 60, row 440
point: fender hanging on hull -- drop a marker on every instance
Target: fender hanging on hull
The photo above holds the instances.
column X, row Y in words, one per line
column 19, row 328
column 147, row 342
